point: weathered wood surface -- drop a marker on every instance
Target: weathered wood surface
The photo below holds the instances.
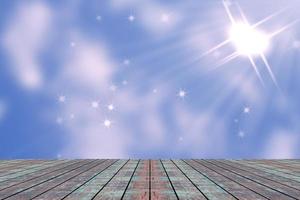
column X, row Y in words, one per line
column 149, row 179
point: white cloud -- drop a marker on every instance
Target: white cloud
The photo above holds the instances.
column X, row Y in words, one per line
column 202, row 134
column 281, row 144
column 86, row 75
column 88, row 66
column 23, row 39
column 145, row 110
column 88, row 137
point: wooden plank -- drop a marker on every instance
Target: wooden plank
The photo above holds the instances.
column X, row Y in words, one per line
column 29, row 170
column 272, row 175
column 184, row 188
column 209, row 188
column 116, row 187
column 37, row 190
column 275, row 185
column 12, row 162
column 239, row 191
column 150, row 179
column 139, row 187
column 280, row 166
column 271, row 169
column 68, row 186
column 259, row 188
column 33, row 175
column 161, row 187
column 15, row 189
column 88, row 190
column 19, row 165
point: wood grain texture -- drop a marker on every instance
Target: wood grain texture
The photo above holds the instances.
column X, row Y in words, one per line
column 149, row 179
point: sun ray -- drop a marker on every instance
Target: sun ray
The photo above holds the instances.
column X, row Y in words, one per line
column 268, row 17
column 263, row 57
column 228, row 12
column 256, row 70
column 246, row 21
column 283, row 28
column 228, row 58
column 216, row 47
column 242, row 14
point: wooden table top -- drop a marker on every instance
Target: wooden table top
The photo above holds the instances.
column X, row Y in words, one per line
column 149, row 179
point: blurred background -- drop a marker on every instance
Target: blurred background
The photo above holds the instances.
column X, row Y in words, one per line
column 142, row 79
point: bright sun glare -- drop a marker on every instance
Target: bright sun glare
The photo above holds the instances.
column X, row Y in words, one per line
column 247, row 40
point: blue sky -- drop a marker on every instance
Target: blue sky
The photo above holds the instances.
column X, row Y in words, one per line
column 132, row 78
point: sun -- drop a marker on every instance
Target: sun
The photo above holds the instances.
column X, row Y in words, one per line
column 248, row 40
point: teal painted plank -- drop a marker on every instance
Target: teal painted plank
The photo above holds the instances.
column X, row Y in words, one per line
column 262, row 189
column 50, row 184
column 279, row 166
column 28, row 170
column 209, row 188
column 229, row 183
column 66, row 188
column 33, row 175
column 10, row 191
column 90, row 189
column 161, row 187
column 139, row 185
column 276, row 176
column 182, row 185
column 118, row 184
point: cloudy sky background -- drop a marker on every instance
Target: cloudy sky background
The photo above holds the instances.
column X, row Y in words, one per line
column 66, row 64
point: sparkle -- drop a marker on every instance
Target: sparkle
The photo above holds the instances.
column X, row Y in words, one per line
column 154, row 91
column 95, row 104
column 107, row 123
column 72, row 116
column 111, row 107
column 124, row 82
column 165, row 18
column 296, row 44
column 72, row 44
column 113, row 88
column 241, row 134
column 246, row 110
column 180, row 139
column 126, row 62
column 236, row 120
column 181, row 93
column 131, row 18
column 62, row 99
column 98, row 18
column 59, row 120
